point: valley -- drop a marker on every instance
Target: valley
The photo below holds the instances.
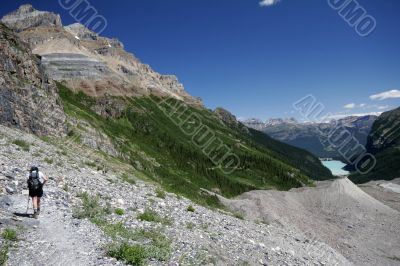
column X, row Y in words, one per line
column 141, row 172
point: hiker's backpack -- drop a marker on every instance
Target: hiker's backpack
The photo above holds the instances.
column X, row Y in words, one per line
column 34, row 183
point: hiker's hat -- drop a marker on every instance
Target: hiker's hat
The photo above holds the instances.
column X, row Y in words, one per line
column 34, row 168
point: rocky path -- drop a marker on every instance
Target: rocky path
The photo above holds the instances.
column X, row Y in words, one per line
column 53, row 239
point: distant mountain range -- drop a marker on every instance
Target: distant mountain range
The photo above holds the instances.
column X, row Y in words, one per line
column 312, row 136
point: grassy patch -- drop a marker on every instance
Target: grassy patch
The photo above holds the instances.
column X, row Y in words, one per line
column 190, row 225
column 204, row 226
column 157, row 247
column 9, row 235
column 45, row 139
column 119, row 211
column 150, row 244
column 160, row 193
column 131, row 254
column 91, row 209
column 212, row 201
column 152, row 216
column 4, row 253
column 25, row 146
column 395, row 258
column 128, row 179
column 62, row 152
column 112, row 181
column 238, row 215
column 91, row 164
column 261, row 222
column 160, row 246
column 117, row 230
column 49, row 160
column 190, row 208
column 151, row 200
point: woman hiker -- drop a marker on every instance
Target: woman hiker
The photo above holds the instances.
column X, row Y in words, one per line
column 36, row 182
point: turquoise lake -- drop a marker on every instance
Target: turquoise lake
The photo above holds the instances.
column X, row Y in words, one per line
column 335, row 167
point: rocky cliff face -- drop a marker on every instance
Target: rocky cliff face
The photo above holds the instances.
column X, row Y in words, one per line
column 65, row 66
column 226, row 117
column 28, row 99
column 230, row 120
column 88, row 62
column 384, row 144
column 385, row 132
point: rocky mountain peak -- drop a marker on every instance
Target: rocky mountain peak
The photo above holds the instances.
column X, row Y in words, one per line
column 278, row 121
column 225, row 116
column 27, row 8
column 26, row 17
column 81, row 31
column 254, row 123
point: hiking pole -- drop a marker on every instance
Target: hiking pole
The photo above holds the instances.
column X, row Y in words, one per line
column 27, row 207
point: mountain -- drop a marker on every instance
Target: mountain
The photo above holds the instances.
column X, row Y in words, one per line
column 159, row 146
column 104, row 98
column 258, row 124
column 27, row 17
column 308, row 136
column 88, row 62
column 384, row 143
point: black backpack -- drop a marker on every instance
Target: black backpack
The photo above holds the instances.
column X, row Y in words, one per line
column 33, row 180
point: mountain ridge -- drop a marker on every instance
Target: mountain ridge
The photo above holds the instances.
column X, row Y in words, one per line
column 308, row 136
column 93, row 64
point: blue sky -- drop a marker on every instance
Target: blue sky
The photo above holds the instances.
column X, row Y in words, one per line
column 254, row 60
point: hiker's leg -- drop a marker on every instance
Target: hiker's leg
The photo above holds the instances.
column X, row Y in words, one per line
column 34, row 203
column 38, row 203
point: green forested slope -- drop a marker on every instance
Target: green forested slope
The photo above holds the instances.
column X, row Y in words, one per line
column 149, row 134
column 384, row 143
column 299, row 158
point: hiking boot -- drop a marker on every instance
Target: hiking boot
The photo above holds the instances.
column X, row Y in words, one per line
column 35, row 215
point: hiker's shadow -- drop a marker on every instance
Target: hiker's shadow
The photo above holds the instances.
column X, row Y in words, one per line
column 25, row 215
